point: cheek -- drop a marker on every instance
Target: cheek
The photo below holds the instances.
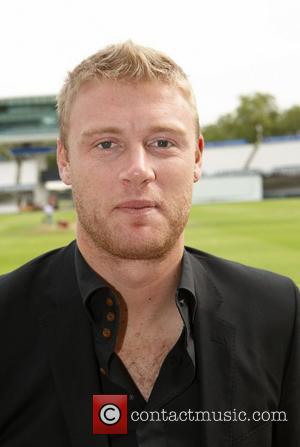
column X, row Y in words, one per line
column 177, row 178
column 89, row 177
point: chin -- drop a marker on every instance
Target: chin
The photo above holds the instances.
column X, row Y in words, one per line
column 139, row 251
column 134, row 247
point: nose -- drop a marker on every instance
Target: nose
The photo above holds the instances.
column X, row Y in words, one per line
column 136, row 167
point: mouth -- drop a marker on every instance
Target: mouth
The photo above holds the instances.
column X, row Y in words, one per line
column 137, row 206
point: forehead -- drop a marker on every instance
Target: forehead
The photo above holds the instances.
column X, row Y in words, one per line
column 126, row 101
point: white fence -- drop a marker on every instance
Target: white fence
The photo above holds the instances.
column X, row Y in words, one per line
column 228, row 188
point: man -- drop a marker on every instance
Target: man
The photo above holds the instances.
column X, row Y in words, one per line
column 127, row 309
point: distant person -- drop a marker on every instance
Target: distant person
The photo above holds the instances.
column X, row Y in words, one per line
column 127, row 309
column 49, row 211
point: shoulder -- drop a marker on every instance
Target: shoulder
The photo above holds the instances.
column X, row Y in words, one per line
column 19, row 282
column 227, row 272
column 262, row 307
column 246, row 288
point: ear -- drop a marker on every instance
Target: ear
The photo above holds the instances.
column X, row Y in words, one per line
column 198, row 159
column 63, row 163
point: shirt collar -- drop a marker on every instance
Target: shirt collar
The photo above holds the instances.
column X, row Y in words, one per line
column 187, row 278
column 89, row 281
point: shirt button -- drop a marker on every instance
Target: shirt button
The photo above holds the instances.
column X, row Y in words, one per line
column 110, row 316
column 106, row 332
column 109, row 302
column 103, row 371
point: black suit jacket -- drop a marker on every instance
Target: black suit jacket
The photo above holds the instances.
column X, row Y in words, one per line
column 246, row 335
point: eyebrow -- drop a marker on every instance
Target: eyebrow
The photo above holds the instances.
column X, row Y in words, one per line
column 117, row 130
column 92, row 132
column 168, row 128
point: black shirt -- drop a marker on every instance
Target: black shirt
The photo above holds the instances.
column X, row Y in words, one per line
column 176, row 387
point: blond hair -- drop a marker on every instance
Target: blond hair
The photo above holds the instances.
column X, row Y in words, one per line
column 122, row 62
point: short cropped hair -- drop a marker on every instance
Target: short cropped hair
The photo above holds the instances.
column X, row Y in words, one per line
column 122, row 62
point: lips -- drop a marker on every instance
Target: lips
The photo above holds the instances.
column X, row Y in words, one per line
column 139, row 209
column 137, row 204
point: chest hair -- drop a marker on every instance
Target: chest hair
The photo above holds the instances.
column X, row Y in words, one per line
column 143, row 358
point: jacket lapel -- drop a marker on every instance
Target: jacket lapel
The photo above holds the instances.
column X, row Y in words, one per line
column 214, row 348
column 72, row 357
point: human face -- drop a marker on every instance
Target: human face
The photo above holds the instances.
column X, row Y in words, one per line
column 132, row 159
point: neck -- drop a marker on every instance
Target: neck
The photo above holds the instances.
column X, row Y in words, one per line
column 140, row 281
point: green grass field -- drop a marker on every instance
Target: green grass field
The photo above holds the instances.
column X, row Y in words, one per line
column 263, row 234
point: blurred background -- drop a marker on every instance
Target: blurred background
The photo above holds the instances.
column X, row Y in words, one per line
column 242, row 59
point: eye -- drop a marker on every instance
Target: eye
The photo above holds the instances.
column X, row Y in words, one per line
column 163, row 143
column 108, row 144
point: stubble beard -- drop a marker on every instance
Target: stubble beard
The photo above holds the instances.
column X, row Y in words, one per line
column 125, row 245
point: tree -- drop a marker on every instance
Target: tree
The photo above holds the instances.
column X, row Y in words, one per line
column 258, row 110
column 289, row 121
column 256, row 115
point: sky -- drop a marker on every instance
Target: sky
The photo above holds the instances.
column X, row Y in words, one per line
column 226, row 47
